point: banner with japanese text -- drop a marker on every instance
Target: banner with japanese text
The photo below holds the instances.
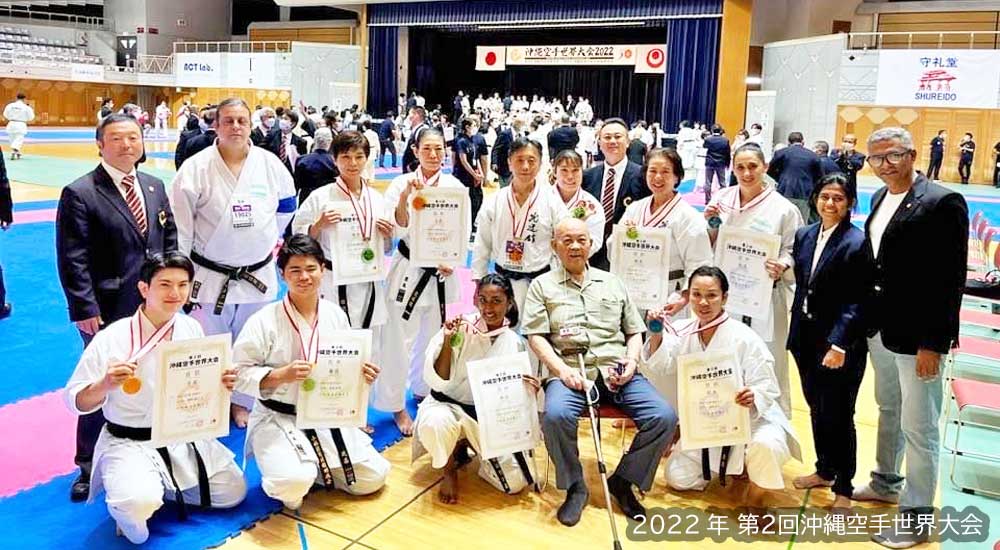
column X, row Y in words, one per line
column 938, row 78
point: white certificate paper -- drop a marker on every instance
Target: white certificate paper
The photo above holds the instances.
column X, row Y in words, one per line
column 642, row 263
column 439, row 233
column 742, row 254
column 707, row 384
column 335, row 395
column 189, row 401
column 347, row 246
column 507, row 411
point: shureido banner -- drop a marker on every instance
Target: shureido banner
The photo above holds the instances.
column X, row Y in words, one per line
column 938, row 78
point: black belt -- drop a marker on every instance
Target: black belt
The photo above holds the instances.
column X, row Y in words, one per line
column 706, row 468
column 338, row 442
column 232, row 274
column 522, row 462
column 145, row 434
column 521, row 275
column 675, row 274
column 425, row 277
column 342, row 299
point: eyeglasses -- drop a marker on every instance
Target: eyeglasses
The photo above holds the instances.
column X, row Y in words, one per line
column 892, row 158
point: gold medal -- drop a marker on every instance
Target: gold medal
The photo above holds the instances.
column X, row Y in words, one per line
column 132, row 385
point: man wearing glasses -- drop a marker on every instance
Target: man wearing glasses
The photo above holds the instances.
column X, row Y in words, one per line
column 919, row 233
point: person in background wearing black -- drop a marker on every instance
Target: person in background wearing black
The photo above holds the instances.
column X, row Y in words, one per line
column 498, row 156
column 937, row 155
column 466, row 168
column 826, row 163
column 996, row 166
column 967, row 149
column 6, row 219
column 316, row 169
column 198, row 142
column 386, row 139
column 717, row 155
column 192, row 129
column 417, row 117
column 482, row 152
column 563, row 137
column 849, row 160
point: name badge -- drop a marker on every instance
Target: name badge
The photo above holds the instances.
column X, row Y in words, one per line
column 242, row 215
column 515, row 254
column 567, row 331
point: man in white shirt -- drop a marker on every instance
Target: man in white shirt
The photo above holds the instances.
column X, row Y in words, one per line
column 18, row 114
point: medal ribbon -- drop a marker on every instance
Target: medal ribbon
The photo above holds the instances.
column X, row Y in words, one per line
column 693, row 328
column 428, row 182
column 478, row 326
column 735, row 206
column 512, row 208
column 140, row 348
column 308, row 351
column 362, row 210
column 576, row 197
column 661, row 213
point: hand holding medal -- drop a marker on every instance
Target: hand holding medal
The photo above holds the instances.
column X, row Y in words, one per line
column 122, row 374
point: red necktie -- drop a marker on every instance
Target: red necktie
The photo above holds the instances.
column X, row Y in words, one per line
column 132, row 199
column 608, row 196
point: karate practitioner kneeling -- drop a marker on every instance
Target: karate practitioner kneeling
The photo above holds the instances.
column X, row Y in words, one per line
column 275, row 352
column 117, row 372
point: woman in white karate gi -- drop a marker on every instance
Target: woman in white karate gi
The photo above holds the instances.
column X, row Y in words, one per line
column 517, row 223
column 446, row 425
column 568, row 170
column 413, row 318
column 756, row 205
column 275, row 353
column 772, row 440
column 364, row 303
column 117, row 373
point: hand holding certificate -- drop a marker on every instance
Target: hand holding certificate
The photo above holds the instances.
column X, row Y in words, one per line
column 355, row 245
column 190, row 402
column 335, row 395
column 439, row 228
column 640, row 256
column 742, row 254
column 508, row 415
column 707, row 386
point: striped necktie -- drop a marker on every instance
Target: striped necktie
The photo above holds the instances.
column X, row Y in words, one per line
column 134, row 204
column 282, row 153
column 608, row 196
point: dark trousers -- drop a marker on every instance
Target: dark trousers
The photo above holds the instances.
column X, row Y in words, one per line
column 831, row 395
column 386, row 145
column 713, row 173
column 88, row 428
column 476, row 198
column 934, row 168
column 3, row 289
column 965, row 169
column 996, row 177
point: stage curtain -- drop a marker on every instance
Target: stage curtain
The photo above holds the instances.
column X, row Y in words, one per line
column 383, row 46
column 692, row 71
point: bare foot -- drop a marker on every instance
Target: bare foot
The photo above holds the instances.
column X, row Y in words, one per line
column 403, row 422
column 841, row 506
column 368, row 429
column 448, row 492
column 755, row 496
column 240, row 415
column 811, row 481
column 623, row 423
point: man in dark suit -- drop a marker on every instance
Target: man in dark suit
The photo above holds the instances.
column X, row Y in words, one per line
column 616, row 182
column 192, row 130
column 386, row 139
column 417, row 117
column 849, row 159
column 259, row 135
column 107, row 223
column 827, row 165
column 919, row 235
column 288, row 147
column 316, row 169
column 501, row 150
column 796, row 169
column 937, row 155
column 562, row 137
column 6, row 219
column 197, row 143
column 717, row 157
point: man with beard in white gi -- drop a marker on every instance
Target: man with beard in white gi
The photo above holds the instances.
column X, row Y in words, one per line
column 276, row 351
column 116, row 374
column 231, row 203
column 18, row 114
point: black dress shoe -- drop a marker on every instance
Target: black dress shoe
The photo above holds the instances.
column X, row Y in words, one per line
column 80, row 489
column 571, row 510
column 621, row 491
column 5, row 311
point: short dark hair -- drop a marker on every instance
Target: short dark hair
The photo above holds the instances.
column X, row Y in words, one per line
column 750, row 148
column 835, row 178
column 672, row 157
column 115, row 118
column 522, row 143
column 300, row 244
column 107, row 100
column 941, row 132
column 347, row 140
column 20, row 95
column 713, row 272
column 496, row 279
column 796, row 137
column 426, row 132
column 292, row 115
column 969, row 134
column 757, row 126
column 716, row 129
column 156, row 263
column 567, row 155
column 615, row 120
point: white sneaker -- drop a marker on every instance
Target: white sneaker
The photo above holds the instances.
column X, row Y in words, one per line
column 867, row 493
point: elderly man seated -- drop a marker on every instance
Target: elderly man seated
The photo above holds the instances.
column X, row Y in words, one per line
column 583, row 309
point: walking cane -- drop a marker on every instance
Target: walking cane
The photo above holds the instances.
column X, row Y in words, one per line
column 617, row 543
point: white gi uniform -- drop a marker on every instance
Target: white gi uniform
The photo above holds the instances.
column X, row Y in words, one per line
column 440, row 425
column 358, row 295
column 373, row 148
column 525, row 229
column 773, row 214
column 586, row 205
column 162, row 114
column 182, row 119
column 772, row 439
column 18, row 115
column 405, row 361
column 133, row 473
column 288, row 463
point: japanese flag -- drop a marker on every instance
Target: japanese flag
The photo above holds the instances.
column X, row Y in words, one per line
column 491, row 58
column 651, row 59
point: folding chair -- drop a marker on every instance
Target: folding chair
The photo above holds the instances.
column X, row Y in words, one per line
column 971, row 395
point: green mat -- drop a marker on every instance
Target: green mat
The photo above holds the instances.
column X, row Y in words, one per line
column 58, row 172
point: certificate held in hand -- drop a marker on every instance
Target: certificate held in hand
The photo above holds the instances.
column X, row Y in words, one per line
column 505, row 405
column 640, row 256
column 439, row 227
column 742, row 255
column 189, row 401
column 357, row 250
column 335, row 395
column 707, row 384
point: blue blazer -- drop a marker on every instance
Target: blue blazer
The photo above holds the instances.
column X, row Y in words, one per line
column 313, row 171
column 99, row 248
column 838, row 291
column 796, row 169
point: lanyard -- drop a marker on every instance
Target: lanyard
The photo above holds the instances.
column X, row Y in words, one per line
column 362, row 209
column 307, row 351
column 428, row 182
column 661, row 213
column 518, row 230
column 139, row 347
column 693, row 328
column 735, row 206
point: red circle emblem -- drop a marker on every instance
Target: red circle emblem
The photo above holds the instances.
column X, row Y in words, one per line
column 655, row 58
column 491, row 58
